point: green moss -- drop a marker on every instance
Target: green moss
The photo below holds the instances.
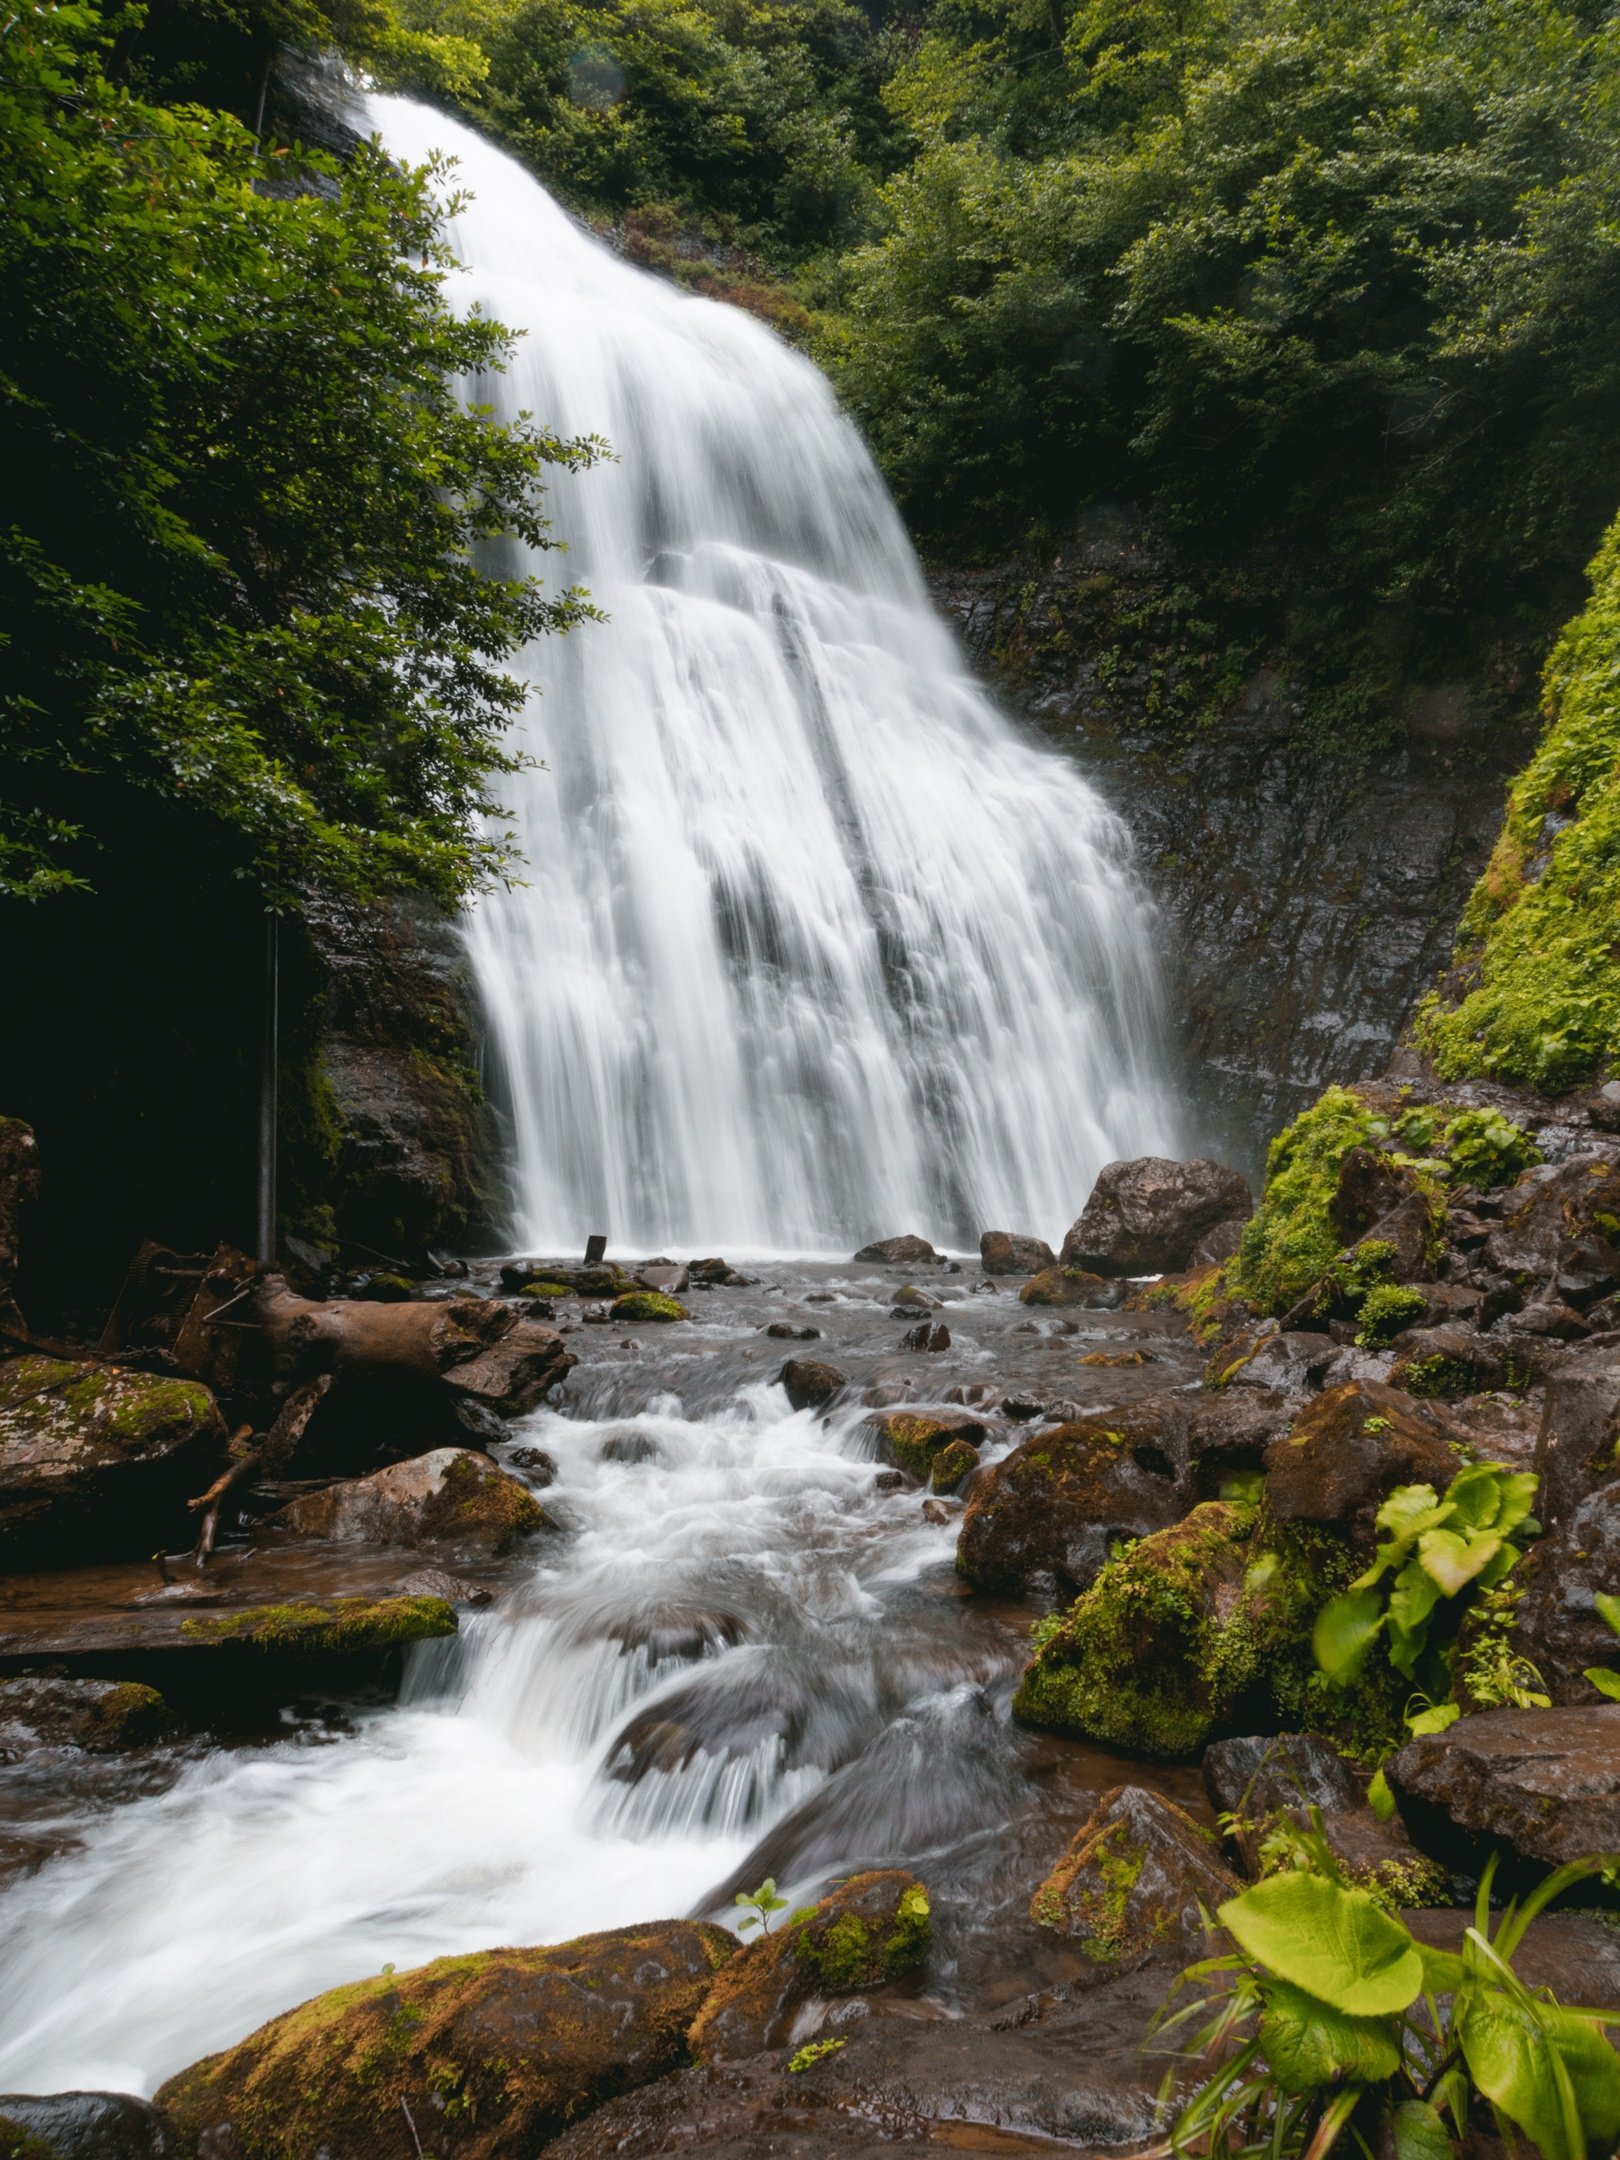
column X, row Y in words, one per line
column 1537, row 942
column 953, row 1464
column 16, row 2143
column 545, row 1290
column 130, row 1410
column 1385, row 1310
column 342, row 1626
column 849, row 1952
column 476, row 1500
column 1290, row 1241
column 648, row 1305
column 1096, row 1914
column 130, row 1715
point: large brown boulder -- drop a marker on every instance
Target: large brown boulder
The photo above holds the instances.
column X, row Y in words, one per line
column 808, row 1383
column 448, row 1497
column 1146, row 1217
column 1065, row 1286
column 1003, row 1252
column 1544, row 1783
column 1048, row 1512
column 491, row 2054
column 19, row 1184
column 1350, row 1448
column 871, row 1930
column 97, row 1462
column 1130, row 1886
column 897, row 1252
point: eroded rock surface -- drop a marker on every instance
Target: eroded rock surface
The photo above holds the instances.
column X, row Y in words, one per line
column 1147, row 1216
column 1130, row 1886
column 1544, row 1783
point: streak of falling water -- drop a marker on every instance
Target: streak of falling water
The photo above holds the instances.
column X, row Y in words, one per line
column 814, row 946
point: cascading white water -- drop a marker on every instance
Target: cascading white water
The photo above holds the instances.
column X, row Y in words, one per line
column 814, row 947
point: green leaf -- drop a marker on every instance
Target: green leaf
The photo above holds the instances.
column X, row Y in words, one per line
column 1418, row 2133
column 1453, row 1560
column 1443, row 1970
column 1334, row 1943
column 1605, row 1679
column 1346, row 1628
column 1609, row 1606
column 1307, row 2043
column 1594, row 2071
column 1379, row 1797
column 1435, row 1719
column 1512, row 2059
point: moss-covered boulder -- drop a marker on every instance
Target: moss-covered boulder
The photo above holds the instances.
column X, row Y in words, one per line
column 953, row 1466
column 97, row 1462
column 871, row 1930
column 345, row 1627
column 912, row 1439
column 637, row 1306
column 1349, row 1449
column 1130, row 1886
column 489, row 2055
column 1049, row 1511
column 103, row 1717
column 1068, row 1286
column 449, row 1497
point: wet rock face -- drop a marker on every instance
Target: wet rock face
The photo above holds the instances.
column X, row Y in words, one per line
column 913, row 1439
column 1001, row 1252
column 496, row 2052
column 1307, row 899
column 84, row 2126
column 103, row 1717
column 1349, row 1449
column 19, row 1184
column 96, row 1461
column 870, row 1931
column 1544, row 1783
column 1269, row 1781
column 1046, row 1514
column 1557, row 1623
column 1146, row 1217
column 1130, row 1886
column 1580, row 1428
column 808, row 1383
column 448, row 1497
column 897, row 1252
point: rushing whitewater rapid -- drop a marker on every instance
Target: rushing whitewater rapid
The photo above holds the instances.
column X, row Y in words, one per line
column 814, row 947
column 811, row 941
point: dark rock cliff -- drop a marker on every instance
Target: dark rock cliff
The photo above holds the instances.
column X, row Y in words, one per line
column 1309, row 894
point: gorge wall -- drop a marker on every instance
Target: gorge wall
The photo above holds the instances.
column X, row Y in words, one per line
column 1309, row 894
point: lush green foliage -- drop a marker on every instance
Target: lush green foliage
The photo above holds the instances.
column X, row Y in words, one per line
column 239, row 563
column 1333, row 2017
column 1538, row 938
column 1435, row 1557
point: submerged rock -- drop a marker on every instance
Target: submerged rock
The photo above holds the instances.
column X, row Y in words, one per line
column 871, row 1930
column 103, row 1717
column 448, row 1497
column 1146, row 1217
column 1003, row 1252
column 95, row 1461
column 1069, row 1286
column 953, row 1465
column 644, row 1305
column 1129, row 1887
column 1049, row 1511
column 492, row 2054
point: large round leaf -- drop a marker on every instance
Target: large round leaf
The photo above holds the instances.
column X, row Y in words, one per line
column 1512, row 2059
column 1308, row 2043
column 1333, row 1943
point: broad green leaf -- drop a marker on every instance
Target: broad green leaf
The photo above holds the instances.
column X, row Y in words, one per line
column 1480, row 1493
column 1346, row 1627
column 1594, row 2071
column 1435, row 1719
column 1410, row 1510
column 1418, row 2133
column 1605, row 1679
column 1414, row 1596
column 1511, row 2058
column 1518, row 1498
column 1379, row 1797
column 1609, row 1606
column 1307, row 2043
column 1443, row 1970
column 1454, row 1561
column 1335, row 1944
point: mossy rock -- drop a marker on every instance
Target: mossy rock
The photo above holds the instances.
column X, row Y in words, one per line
column 913, row 1439
column 342, row 1627
column 544, row 1289
column 494, row 2054
column 104, row 1717
column 871, row 1930
column 953, row 1465
column 18, row 2143
column 640, row 1305
column 1051, row 1508
column 1067, row 1286
column 1131, row 1885
column 448, row 1496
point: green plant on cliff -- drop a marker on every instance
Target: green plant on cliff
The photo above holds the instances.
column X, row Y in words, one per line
column 1290, row 1241
column 244, row 573
column 1437, row 1555
column 1330, row 2018
column 1538, row 951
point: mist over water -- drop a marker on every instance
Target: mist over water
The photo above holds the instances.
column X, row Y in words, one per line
column 813, row 946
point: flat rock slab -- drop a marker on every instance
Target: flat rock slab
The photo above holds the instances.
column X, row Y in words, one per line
column 1545, row 1783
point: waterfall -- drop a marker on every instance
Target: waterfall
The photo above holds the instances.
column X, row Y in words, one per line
column 813, row 945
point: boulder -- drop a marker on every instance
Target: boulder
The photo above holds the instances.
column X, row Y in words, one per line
column 84, row 2126
column 640, row 1307
column 1066, row 1286
column 1003, row 1252
column 1580, row 1429
column 1556, row 1227
column 911, row 1439
column 1544, row 1783
column 514, row 1374
column 1268, row 1781
column 1047, row 1513
column 1145, row 1217
column 871, row 1930
column 102, row 1717
column 809, row 1384
column 1291, row 1361
column 448, row 1497
column 491, row 2054
column 1349, row 1449
column 897, row 1252
column 1261, row 1774
column 953, row 1466
column 1130, row 1886
column 96, row 1461
column 1452, row 1360
column 19, row 1184
column 1557, row 1625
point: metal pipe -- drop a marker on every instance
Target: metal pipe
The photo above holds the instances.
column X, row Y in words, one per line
column 270, row 1060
